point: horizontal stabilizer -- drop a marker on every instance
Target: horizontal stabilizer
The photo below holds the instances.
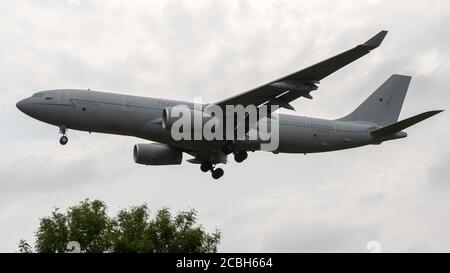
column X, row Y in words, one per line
column 399, row 126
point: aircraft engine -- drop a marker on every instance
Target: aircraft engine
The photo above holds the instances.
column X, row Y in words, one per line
column 156, row 154
column 168, row 119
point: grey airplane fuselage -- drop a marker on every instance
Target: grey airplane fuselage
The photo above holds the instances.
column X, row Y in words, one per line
column 140, row 117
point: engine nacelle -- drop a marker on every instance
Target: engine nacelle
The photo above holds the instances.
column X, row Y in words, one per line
column 156, row 154
column 169, row 118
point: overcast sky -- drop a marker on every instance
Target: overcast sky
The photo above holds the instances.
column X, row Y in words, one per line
column 396, row 193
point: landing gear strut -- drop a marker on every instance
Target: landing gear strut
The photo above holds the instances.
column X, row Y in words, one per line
column 64, row 139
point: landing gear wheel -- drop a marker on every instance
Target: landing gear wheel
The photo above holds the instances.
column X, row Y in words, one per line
column 240, row 156
column 63, row 140
column 228, row 148
column 63, row 130
column 206, row 166
column 217, row 173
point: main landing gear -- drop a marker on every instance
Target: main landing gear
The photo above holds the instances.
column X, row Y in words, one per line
column 206, row 166
column 230, row 147
column 240, row 156
column 64, row 139
column 215, row 172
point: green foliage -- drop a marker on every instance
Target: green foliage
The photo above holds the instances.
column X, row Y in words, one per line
column 132, row 230
column 53, row 233
column 89, row 225
column 129, row 229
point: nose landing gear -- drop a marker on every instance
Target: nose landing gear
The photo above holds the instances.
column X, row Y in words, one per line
column 64, row 139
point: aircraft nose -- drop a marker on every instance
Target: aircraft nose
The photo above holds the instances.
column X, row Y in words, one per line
column 24, row 106
column 20, row 105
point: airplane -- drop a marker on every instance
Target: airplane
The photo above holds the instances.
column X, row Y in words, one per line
column 373, row 122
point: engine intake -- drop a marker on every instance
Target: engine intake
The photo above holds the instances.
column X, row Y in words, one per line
column 168, row 118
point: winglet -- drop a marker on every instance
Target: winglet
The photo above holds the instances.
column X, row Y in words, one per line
column 376, row 40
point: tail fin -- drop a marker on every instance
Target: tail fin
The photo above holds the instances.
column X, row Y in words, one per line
column 384, row 105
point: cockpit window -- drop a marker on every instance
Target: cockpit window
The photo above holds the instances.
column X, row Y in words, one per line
column 37, row 95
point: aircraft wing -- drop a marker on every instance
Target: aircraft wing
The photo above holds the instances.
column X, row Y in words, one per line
column 299, row 84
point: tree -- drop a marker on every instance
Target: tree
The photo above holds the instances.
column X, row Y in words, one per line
column 132, row 230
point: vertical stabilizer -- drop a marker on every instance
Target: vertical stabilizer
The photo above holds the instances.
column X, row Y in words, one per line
column 384, row 105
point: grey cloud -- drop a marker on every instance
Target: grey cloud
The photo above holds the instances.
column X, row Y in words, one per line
column 370, row 199
column 439, row 175
column 321, row 236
